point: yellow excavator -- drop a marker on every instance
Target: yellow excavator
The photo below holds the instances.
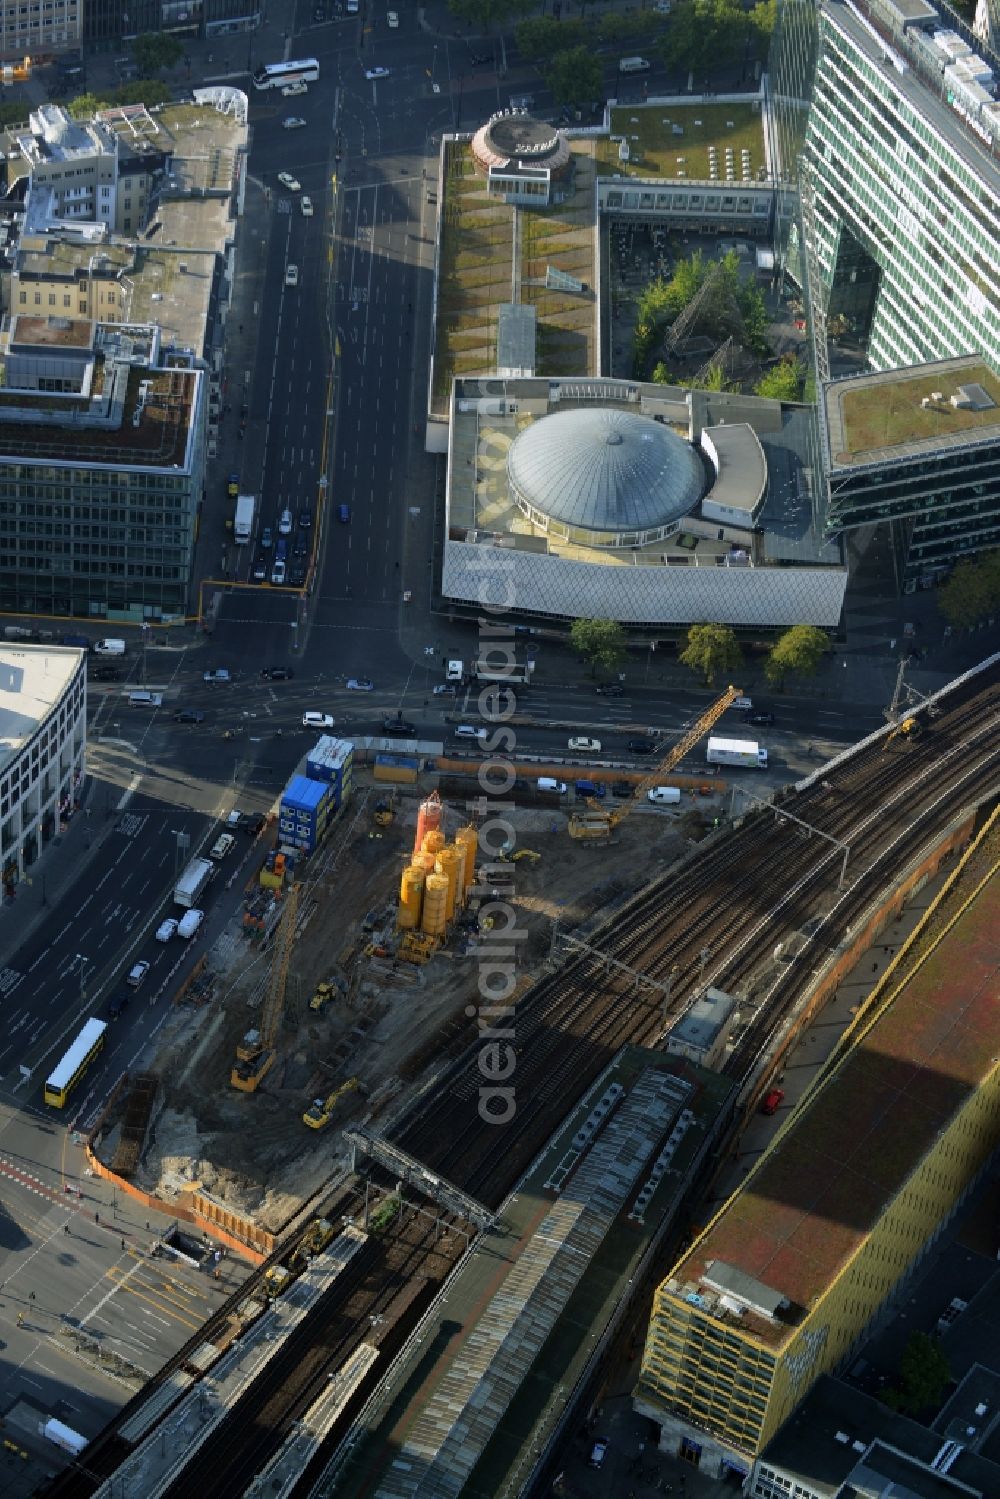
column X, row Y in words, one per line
column 256, row 1053
column 595, row 823
column 320, row 1111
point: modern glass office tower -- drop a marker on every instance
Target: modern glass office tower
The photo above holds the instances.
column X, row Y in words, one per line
column 887, row 127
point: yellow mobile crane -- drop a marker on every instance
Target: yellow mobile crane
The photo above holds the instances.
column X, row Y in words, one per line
column 596, row 823
column 256, row 1053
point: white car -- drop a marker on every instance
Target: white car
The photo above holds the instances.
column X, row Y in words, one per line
column 590, row 746
column 664, row 796
column 285, row 523
column 307, row 206
column 360, row 684
column 166, row 929
column 291, row 275
column 373, row 73
column 392, row 19
column 292, row 90
column 293, row 122
column 190, row 922
column 278, row 574
column 445, row 689
column 292, row 183
column 219, row 675
column 137, row 973
column 317, row 721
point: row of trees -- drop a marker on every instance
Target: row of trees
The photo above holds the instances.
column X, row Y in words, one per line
column 972, row 592
column 710, row 650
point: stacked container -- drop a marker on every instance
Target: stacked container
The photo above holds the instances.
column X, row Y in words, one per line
column 306, row 807
column 332, row 761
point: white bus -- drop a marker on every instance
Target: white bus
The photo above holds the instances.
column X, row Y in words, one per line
column 74, row 1064
column 282, row 74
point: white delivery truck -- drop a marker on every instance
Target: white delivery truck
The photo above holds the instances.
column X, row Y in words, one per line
column 243, row 522
column 192, row 882
column 633, row 65
column 744, row 754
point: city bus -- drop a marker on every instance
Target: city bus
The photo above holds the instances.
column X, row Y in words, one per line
column 75, row 1063
column 281, row 74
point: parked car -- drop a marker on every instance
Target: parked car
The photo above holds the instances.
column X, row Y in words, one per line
column 292, row 122
column 444, row 689
column 549, row 783
column 360, row 684
column 317, row 721
column 277, row 673
column 220, row 674
column 291, row 275
column 772, row 1100
column 189, row 715
column 399, row 727
column 307, row 203
column 622, row 790
column 372, row 73
column 598, row 1453
column 587, row 746
column 106, row 673
column 610, row 689
column 594, row 789
column 137, row 973
column 664, row 796
column 392, row 19
column 292, row 183
column 292, row 90
column 759, row 718
column 642, row 746
column 166, row 929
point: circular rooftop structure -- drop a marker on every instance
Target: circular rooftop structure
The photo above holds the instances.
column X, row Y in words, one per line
column 604, row 478
column 513, row 138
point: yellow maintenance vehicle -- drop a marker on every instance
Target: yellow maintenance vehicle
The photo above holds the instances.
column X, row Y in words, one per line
column 320, row 1111
column 909, row 730
column 256, row 1053
column 596, row 824
column 415, row 947
column 315, row 1239
column 275, row 1280
column 325, row 993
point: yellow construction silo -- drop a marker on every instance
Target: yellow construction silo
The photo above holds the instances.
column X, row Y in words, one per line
column 411, row 895
column 451, row 864
column 467, row 840
column 435, row 915
column 434, row 841
column 425, row 862
column 428, row 817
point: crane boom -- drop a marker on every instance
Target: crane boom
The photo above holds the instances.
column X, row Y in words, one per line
column 596, row 823
column 255, row 1053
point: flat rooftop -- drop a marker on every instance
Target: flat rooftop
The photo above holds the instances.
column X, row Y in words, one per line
column 809, row 1205
column 201, row 141
column 879, row 416
column 33, row 678
column 674, row 141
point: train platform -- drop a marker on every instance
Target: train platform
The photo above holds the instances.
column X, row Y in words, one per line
column 492, row 1372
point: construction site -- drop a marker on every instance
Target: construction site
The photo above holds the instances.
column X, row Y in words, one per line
column 345, row 980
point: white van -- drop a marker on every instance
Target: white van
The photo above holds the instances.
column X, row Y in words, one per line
column 664, row 796
column 221, row 846
column 633, row 65
column 745, row 704
column 109, row 647
column 190, row 922
column 145, row 700
column 467, row 731
column 549, row 783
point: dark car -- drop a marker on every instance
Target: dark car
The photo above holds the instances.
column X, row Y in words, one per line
column 251, row 822
column 277, row 673
column 297, row 574
column 642, row 746
column 305, row 519
column 301, row 547
column 400, row 727
column 118, row 1006
column 480, row 59
column 260, row 571
column 106, row 673
column 189, row 715
column 760, row 718
column 622, row 790
column 611, row 689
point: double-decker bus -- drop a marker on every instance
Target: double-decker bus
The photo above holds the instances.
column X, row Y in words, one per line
column 74, row 1064
column 281, row 74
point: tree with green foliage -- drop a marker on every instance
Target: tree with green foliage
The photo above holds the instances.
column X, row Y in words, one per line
column 782, row 382
column 797, row 652
column 756, row 321
column 86, row 105
column 155, row 50
column 712, row 650
column 661, row 375
column 923, row 1377
column 704, row 33
column 487, row 13
column 13, row 114
column 600, row 641
column 630, row 25
column 574, row 75
column 762, row 20
column 540, row 38
column 972, row 591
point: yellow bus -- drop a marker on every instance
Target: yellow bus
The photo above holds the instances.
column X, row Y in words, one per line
column 75, row 1063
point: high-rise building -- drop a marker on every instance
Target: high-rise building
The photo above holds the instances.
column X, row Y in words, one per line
column 887, row 146
column 39, row 30
column 783, row 1283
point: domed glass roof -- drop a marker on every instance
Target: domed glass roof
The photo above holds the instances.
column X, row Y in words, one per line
column 605, row 470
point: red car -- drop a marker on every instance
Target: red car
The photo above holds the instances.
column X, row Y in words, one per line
column 773, row 1099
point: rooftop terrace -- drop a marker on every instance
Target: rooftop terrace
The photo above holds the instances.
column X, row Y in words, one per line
column 657, row 150
column 874, row 416
column 818, row 1192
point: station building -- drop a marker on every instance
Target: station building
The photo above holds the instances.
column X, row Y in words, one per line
column 783, row 1283
column 43, row 735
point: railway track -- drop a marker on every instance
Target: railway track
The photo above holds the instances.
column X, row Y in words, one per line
column 885, row 802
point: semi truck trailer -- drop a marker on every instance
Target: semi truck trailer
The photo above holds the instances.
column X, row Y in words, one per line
column 745, row 754
column 192, row 882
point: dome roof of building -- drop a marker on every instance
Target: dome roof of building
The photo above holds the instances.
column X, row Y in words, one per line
column 605, row 470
